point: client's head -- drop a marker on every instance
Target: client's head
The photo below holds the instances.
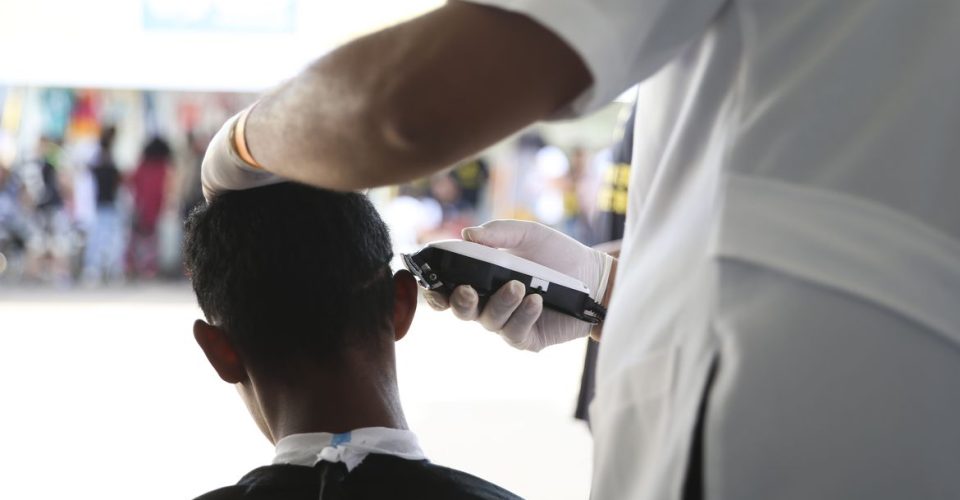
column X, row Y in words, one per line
column 298, row 295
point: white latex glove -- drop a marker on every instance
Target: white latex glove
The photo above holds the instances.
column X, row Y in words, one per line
column 522, row 321
column 224, row 170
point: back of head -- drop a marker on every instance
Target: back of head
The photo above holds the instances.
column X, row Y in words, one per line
column 293, row 274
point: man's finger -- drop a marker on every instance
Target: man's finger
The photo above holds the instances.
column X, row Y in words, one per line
column 465, row 302
column 517, row 331
column 501, row 306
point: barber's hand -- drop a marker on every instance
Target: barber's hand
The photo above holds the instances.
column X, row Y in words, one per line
column 522, row 321
column 224, row 170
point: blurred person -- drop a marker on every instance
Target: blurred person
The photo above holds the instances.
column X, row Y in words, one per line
column 545, row 185
column 103, row 259
column 149, row 186
column 83, row 188
column 456, row 213
column 782, row 319
column 458, row 193
column 50, row 200
column 14, row 230
column 302, row 313
column 523, row 162
column 49, row 245
column 576, row 198
column 472, row 177
column 190, row 189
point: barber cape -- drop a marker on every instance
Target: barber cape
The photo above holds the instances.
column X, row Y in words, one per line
column 369, row 463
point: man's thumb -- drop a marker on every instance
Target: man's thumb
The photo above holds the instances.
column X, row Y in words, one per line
column 474, row 234
column 496, row 234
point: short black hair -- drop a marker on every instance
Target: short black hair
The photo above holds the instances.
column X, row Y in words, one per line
column 292, row 273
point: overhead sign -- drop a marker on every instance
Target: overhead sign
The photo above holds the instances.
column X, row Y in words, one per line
column 235, row 16
column 208, row 45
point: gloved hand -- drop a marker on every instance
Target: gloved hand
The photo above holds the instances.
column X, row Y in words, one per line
column 224, row 170
column 522, row 321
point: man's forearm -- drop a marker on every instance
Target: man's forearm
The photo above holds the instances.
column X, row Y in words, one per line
column 414, row 98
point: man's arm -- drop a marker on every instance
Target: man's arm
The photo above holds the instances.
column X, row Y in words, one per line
column 414, row 98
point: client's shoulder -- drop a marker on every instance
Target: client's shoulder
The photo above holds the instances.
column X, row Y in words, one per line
column 396, row 477
column 376, row 478
column 272, row 482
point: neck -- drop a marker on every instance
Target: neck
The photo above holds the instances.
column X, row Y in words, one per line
column 353, row 394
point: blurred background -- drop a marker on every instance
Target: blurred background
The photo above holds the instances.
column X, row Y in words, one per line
column 106, row 107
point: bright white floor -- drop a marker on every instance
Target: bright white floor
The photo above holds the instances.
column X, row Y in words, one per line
column 104, row 395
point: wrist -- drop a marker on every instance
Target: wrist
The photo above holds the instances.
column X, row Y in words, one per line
column 603, row 297
column 238, row 139
column 611, row 277
column 607, row 265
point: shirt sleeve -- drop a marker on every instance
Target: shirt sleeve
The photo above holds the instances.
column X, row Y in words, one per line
column 622, row 42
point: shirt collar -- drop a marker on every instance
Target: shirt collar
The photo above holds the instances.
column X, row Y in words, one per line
column 347, row 447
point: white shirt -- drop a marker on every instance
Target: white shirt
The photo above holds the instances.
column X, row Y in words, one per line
column 348, row 447
column 819, row 138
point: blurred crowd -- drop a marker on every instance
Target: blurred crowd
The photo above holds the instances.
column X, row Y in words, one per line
column 67, row 221
column 527, row 178
column 72, row 217
column 79, row 210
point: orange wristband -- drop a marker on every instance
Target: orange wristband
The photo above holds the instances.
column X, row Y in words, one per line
column 240, row 139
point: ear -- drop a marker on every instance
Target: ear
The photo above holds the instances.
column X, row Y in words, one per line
column 220, row 352
column 404, row 302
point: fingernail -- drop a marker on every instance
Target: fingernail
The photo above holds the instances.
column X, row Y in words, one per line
column 516, row 288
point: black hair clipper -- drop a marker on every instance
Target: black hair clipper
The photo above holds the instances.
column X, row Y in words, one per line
column 445, row 265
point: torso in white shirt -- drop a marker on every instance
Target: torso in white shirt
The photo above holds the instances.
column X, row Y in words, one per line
column 816, row 138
